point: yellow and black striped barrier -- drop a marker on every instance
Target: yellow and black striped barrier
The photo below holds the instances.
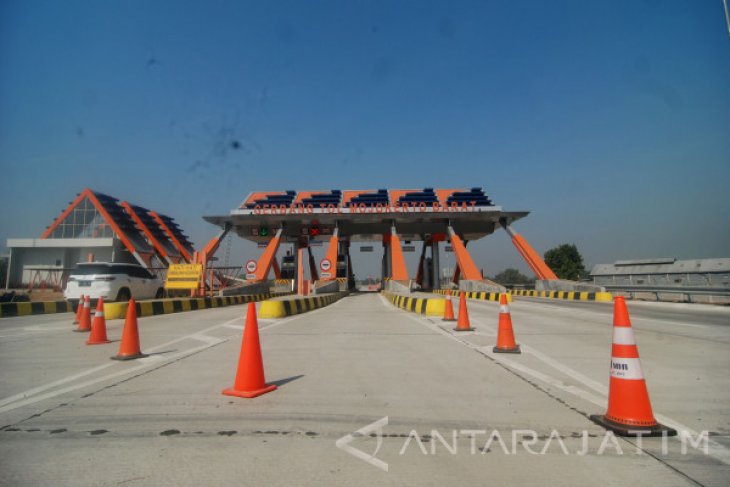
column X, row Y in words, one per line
column 8, row 310
column 288, row 307
column 565, row 295
column 424, row 306
column 165, row 306
column 484, row 296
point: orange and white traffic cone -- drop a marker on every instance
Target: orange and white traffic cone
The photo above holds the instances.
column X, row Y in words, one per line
column 98, row 327
column 85, row 319
column 505, row 335
column 629, row 409
column 250, row 381
column 129, row 347
column 79, row 310
column 463, row 323
column 448, row 308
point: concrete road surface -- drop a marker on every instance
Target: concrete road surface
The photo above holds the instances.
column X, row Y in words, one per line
column 433, row 407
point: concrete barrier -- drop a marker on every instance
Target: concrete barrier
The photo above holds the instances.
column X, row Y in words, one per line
column 8, row 310
column 326, row 287
column 566, row 295
column 424, row 306
column 484, row 296
column 288, row 307
column 113, row 311
column 402, row 287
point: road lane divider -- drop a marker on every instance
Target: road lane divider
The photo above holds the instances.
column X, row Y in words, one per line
column 287, row 307
column 114, row 311
column 8, row 310
column 602, row 297
column 482, row 295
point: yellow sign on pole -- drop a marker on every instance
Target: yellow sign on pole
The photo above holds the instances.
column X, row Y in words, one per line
column 183, row 276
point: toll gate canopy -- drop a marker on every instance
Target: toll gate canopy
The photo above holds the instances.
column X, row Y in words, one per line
column 391, row 216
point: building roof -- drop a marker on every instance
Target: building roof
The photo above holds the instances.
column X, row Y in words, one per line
column 155, row 240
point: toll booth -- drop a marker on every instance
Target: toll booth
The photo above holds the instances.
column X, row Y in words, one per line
column 430, row 217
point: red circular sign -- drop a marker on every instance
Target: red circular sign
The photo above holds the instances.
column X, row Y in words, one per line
column 251, row 266
column 325, row 265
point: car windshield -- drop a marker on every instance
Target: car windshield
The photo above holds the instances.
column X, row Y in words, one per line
column 94, row 269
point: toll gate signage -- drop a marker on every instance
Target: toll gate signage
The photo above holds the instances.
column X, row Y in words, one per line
column 251, row 267
column 183, row 276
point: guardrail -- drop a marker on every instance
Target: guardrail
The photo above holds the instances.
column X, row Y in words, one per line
column 657, row 290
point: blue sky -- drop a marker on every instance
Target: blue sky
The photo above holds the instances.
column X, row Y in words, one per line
column 610, row 121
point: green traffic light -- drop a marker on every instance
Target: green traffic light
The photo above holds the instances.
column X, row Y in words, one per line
column 264, row 232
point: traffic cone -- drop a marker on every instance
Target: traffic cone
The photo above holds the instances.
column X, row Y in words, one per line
column 85, row 319
column 505, row 335
column 250, row 380
column 79, row 309
column 463, row 323
column 98, row 327
column 129, row 347
column 448, row 308
column 629, row 409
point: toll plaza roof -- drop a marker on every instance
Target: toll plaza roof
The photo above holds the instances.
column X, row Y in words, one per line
column 362, row 215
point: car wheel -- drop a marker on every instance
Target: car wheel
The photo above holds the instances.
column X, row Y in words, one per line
column 159, row 294
column 123, row 295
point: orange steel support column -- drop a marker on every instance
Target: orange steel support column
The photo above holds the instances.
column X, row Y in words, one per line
column 331, row 255
column 212, row 246
column 171, row 236
column 398, row 271
column 527, row 259
column 533, row 259
column 466, row 264
column 312, row 266
column 266, row 259
column 300, row 271
column 277, row 271
column 457, row 273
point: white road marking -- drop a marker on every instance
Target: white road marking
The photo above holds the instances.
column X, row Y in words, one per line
column 50, row 385
column 36, row 390
column 91, row 382
column 573, row 374
column 206, row 339
column 716, row 450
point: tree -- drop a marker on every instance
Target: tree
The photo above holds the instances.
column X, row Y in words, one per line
column 566, row 262
column 511, row 276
